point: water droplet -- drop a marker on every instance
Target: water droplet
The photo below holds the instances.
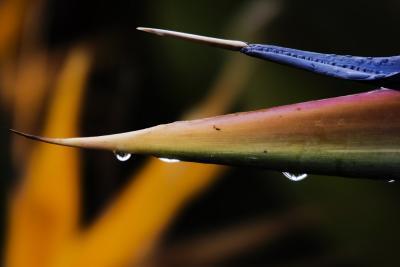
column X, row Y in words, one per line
column 391, row 181
column 169, row 160
column 122, row 156
column 295, row 177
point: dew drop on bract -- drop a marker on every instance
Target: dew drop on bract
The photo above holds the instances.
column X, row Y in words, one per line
column 167, row 160
column 122, row 156
column 295, row 177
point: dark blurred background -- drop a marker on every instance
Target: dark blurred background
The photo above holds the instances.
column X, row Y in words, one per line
column 139, row 80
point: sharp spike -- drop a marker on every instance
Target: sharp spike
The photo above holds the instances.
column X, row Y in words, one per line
column 82, row 142
column 217, row 42
column 31, row 136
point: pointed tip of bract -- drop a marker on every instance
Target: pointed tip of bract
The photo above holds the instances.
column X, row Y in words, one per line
column 107, row 142
column 71, row 142
column 217, row 42
column 30, row 136
column 155, row 31
column 149, row 30
column 34, row 137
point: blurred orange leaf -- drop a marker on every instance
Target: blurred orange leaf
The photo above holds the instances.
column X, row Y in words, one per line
column 132, row 225
column 11, row 19
column 45, row 210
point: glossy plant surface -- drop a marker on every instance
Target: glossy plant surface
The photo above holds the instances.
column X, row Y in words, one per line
column 355, row 136
column 383, row 71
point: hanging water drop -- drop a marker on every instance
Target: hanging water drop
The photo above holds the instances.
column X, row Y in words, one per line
column 122, row 156
column 295, row 177
column 167, row 160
